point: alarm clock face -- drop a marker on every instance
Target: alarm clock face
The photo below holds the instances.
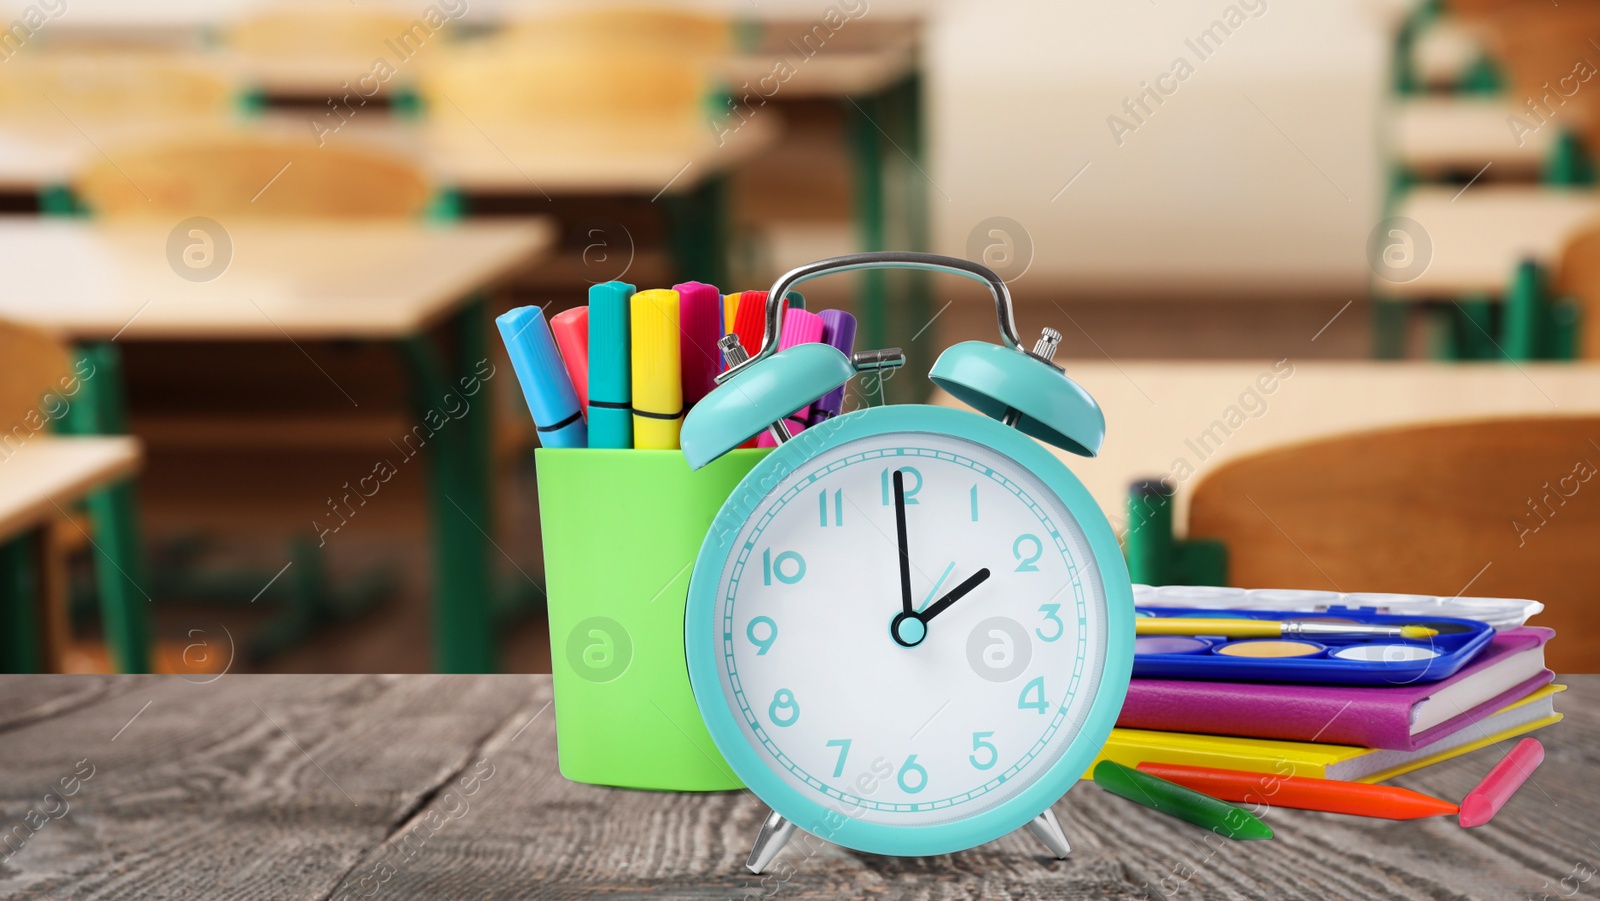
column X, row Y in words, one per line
column 919, row 717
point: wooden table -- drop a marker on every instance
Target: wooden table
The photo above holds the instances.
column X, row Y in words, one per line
column 1158, row 414
column 1468, row 136
column 1479, row 235
column 447, row 787
column 39, row 479
column 301, row 281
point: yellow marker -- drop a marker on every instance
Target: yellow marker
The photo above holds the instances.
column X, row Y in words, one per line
column 730, row 308
column 1269, row 628
column 657, row 384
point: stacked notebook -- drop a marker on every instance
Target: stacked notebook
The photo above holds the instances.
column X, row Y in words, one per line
column 1351, row 733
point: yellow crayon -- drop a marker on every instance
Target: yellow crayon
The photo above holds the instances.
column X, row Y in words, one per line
column 657, row 384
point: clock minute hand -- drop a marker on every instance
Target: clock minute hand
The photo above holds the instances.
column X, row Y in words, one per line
column 956, row 594
column 900, row 533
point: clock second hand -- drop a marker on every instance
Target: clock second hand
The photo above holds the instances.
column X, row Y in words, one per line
column 909, row 636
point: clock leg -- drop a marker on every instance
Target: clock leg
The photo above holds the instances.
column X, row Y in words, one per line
column 1046, row 829
column 770, row 840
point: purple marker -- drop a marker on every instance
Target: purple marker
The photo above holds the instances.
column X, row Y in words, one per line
column 839, row 331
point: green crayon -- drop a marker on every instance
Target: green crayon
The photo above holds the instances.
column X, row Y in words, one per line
column 1186, row 804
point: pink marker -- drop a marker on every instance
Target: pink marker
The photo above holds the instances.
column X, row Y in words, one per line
column 799, row 327
column 699, row 327
column 1483, row 802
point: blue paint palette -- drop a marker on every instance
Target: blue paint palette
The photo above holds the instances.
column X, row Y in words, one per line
column 1320, row 659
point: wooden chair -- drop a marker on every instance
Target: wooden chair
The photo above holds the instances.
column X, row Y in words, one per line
column 602, row 94
column 649, row 28
column 1578, row 276
column 316, row 32
column 111, row 88
column 38, row 376
column 253, row 175
column 1487, row 508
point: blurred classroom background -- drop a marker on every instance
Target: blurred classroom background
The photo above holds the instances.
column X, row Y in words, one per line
column 1331, row 270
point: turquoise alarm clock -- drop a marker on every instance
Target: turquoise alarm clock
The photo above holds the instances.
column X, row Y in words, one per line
column 910, row 628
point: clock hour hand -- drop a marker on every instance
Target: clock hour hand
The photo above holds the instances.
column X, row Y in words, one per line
column 900, row 534
column 956, row 594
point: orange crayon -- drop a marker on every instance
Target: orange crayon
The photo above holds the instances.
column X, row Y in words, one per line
column 1304, row 792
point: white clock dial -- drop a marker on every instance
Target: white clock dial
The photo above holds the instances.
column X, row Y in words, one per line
column 993, row 686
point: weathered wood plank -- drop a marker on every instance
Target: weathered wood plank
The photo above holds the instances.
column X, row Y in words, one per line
column 249, row 787
column 28, row 698
column 459, row 797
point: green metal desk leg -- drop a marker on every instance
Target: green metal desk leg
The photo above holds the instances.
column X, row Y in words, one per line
column 19, row 607
column 872, row 306
column 1388, row 328
column 1474, row 328
column 1148, row 543
column 698, row 219
column 1524, row 312
column 1563, row 329
column 101, row 409
column 458, row 472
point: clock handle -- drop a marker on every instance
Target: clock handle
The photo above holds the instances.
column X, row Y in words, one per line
column 888, row 259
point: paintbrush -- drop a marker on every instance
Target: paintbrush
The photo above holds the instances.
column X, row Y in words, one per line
column 1271, row 628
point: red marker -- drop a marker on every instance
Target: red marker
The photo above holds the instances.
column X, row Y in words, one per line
column 571, row 330
column 1482, row 803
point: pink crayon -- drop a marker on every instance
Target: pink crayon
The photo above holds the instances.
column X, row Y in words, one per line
column 1483, row 802
column 699, row 327
column 799, row 327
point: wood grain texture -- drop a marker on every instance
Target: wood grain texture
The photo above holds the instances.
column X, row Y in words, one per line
column 459, row 797
column 1494, row 508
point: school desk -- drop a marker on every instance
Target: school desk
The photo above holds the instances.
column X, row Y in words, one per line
column 101, row 283
column 1466, row 136
column 1161, row 417
column 40, row 478
column 1480, row 239
column 447, row 787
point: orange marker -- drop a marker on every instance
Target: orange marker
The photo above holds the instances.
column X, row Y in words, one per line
column 1304, row 792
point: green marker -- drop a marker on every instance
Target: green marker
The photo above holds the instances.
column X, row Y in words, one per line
column 1202, row 810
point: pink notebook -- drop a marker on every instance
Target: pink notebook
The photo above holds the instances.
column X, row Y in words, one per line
column 1402, row 718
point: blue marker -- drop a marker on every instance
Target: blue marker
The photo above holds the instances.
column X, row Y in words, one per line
column 610, row 366
column 545, row 383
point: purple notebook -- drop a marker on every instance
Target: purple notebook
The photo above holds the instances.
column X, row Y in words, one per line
column 1402, row 717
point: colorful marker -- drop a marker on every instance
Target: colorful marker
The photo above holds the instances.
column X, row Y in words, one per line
column 750, row 322
column 730, row 310
column 838, row 331
column 1158, row 794
column 1387, row 802
column 571, row 329
column 1270, row 628
column 545, row 384
column 610, row 365
column 1483, row 802
column 699, row 321
column 799, row 327
column 657, row 385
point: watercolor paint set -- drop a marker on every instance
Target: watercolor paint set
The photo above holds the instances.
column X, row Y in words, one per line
column 1502, row 613
column 1336, row 646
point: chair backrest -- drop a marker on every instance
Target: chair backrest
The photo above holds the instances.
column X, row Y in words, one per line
column 649, row 28
column 111, row 87
column 253, row 175
column 508, row 83
column 35, row 365
column 1578, row 275
column 1492, row 508
column 329, row 31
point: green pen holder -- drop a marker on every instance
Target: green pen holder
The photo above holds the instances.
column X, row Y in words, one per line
column 621, row 530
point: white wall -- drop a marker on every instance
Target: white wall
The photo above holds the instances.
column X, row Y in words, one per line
column 1207, row 193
